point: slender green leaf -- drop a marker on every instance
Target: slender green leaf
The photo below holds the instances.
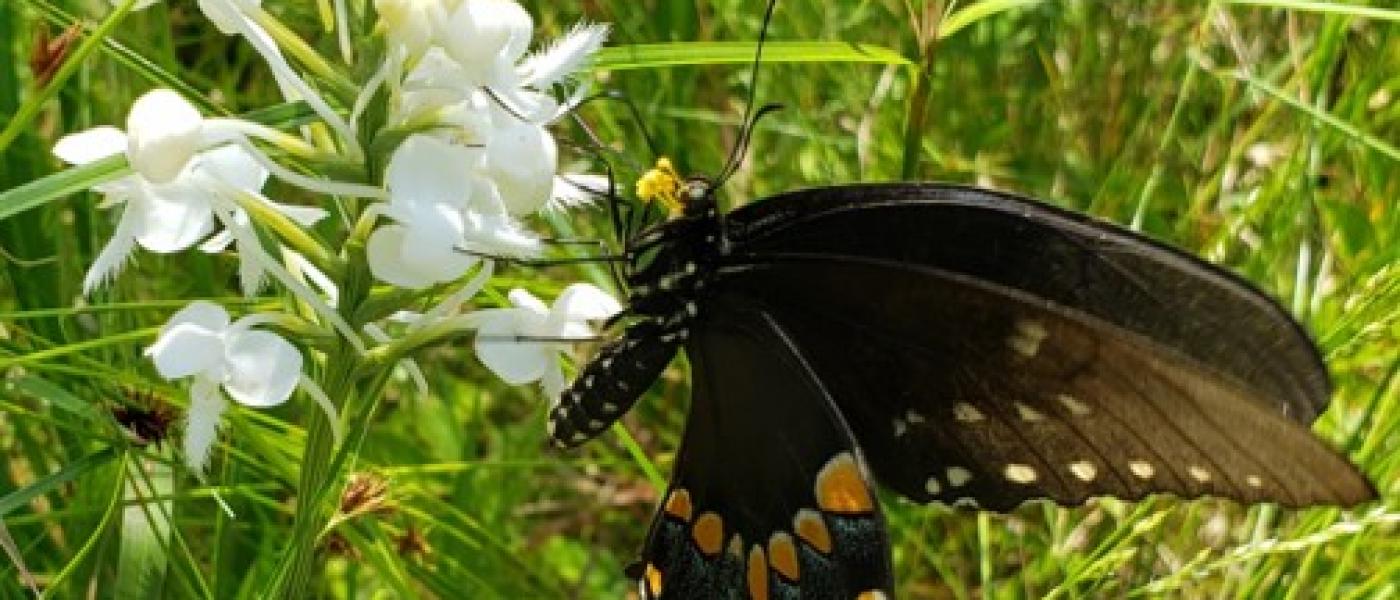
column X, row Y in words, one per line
column 71, row 471
column 54, row 394
column 1369, row 12
column 976, row 12
column 649, row 56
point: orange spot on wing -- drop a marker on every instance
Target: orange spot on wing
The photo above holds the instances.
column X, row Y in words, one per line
column 678, row 505
column 708, row 533
column 783, row 556
column 758, row 574
column 653, row 578
column 841, row 488
column 810, row 527
column 872, row 595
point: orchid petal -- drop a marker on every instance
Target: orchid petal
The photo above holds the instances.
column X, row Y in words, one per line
column 514, row 362
column 585, row 302
column 564, row 57
column 426, row 170
column 186, row 349
column 521, row 161
column 112, row 258
column 263, row 368
column 201, row 313
column 578, row 189
column 415, row 258
column 234, row 166
column 488, row 33
column 499, row 235
column 91, row 145
column 383, row 252
column 173, row 217
column 163, row 134
column 202, row 420
column 523, row 299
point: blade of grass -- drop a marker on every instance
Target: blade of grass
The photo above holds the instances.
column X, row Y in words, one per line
column 1368, row 12
column 72, row 471
column 650, row 56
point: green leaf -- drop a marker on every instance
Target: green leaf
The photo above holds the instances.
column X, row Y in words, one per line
column 648, row 56
column 60, row 184
column 976, row 12
column 1324, row 7
column 60, row 398
column 43, row 486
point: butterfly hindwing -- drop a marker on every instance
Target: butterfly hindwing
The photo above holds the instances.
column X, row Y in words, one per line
column 768, row 497
column 959, row 389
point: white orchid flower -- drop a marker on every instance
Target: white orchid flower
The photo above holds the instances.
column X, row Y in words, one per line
column 179, row 191
column 169, row 198
column 443, row 215
column 522, row 344
column 256, row 368
column 483, row 46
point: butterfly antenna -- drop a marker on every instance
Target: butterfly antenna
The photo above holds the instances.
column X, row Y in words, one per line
column 736, row 154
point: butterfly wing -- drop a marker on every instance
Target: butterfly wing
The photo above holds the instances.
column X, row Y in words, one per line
column 986, row 377
column 768, row 497
column 1064, row 258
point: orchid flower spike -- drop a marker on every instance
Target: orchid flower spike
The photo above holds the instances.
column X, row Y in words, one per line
column 523, row 344
column 256, row 368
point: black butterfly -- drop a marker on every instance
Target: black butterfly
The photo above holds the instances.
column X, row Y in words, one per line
column 955, row 344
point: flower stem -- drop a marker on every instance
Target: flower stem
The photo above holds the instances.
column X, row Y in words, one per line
column 312, row 511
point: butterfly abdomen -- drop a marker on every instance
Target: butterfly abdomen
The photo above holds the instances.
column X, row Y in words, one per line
column 678, row 264
column 611, row 383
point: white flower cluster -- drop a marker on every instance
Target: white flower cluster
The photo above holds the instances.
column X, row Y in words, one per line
column 490, row 159
column 478, row 160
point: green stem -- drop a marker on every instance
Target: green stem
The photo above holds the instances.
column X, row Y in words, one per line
column 299, row 558
column 917, row 118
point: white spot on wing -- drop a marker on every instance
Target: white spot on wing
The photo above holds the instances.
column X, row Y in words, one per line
column 1142, row 469
column 1019, row 473
column 958, row 476
column 914, row 418
column 1084, row 470
column 967, row 413
column 900, row 428
column 1027, row 413
column 1254, row 481
column 932, row 486
column 1199, row 473
column 1073, row 405
column 1026, row 338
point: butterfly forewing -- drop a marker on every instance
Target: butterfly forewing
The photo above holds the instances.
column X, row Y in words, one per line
column 960, row 389
column 768, row 497
column 1125, row 280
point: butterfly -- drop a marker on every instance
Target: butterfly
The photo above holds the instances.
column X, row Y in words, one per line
column 953, row 344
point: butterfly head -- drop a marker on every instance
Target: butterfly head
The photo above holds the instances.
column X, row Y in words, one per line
column 680, row 195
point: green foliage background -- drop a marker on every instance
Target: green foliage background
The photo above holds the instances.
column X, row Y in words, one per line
column 1259, row 134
